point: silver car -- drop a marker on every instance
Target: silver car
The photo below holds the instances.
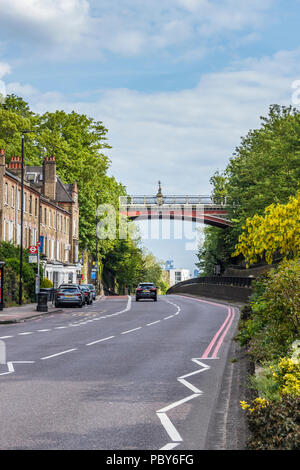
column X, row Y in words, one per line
column 69, row 295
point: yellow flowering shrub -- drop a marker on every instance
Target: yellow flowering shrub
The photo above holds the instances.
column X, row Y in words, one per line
column 277, row 230
column 287, row 374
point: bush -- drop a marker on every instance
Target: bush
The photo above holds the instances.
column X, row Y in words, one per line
column 274, row 321
column 46, row 283
column 11, row 286
column 275, row 425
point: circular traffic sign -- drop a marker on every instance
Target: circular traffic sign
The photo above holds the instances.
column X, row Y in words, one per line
column 32, row 249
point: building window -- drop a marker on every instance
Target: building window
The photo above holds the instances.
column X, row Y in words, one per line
column 30, row 204
column 45, row 216
column 12, row 193
column 36, row 206
column 24, row 202
column 19, row 234
column 10, row 231
column 19, row 199
column 5, row 194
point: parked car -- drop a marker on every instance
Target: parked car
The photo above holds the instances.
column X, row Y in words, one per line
column 93, row 289
column 88, row 295
column 146, row 290
column 69, row 295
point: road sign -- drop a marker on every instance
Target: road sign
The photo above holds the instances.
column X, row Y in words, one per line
column 33, row 249
column 33, row 258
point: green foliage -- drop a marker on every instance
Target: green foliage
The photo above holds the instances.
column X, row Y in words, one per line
column 131, row 264
column 11, row 285
column 264, row 170
column 275, row 426
column 78, row 143
column 46, row 283
column 274, row 322
column 216, row 249
column 11, row 255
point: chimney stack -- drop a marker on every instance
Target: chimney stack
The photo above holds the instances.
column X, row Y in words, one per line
column 15, row 165
column 49, row 177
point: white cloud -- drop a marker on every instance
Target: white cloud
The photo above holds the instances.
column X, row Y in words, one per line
column 70, row 28
column 181, row 137
column 4, row 69
column 45, row 22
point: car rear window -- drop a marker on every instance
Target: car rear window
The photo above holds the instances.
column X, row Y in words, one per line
column 146, row 285
column 69, row 290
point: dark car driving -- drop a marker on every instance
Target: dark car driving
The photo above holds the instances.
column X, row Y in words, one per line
column 146, row 290
column 69, row 295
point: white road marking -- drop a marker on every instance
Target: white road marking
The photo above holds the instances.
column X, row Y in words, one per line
column 170, row 428
column 165, row 420
column 129, row 331
column 167, row 318
column 58, row 354
column 100, row 340
column 25, row 333
column 153, row 323
column 44, row 330
column 60, row 327
column 177, row 403
column 170, row 446
column 11, row 367
column 6, row 337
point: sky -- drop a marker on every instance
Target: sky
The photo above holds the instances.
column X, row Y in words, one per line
column 177, row 83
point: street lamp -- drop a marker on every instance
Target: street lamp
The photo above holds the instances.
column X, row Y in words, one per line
column 97, row 280
column 22, row 210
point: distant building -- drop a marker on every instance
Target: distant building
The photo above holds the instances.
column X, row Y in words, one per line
column 169, row 265
column 178, row 275
column 51, row 215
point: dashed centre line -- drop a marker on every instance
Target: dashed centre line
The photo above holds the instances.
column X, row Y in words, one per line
column 153, row 323
column 58, row 354
column 129, row 331
column 100, row 340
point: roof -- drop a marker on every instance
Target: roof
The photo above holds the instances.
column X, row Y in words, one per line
column 63, row 191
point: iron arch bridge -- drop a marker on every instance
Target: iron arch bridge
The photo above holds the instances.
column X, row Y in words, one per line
column 202, row 209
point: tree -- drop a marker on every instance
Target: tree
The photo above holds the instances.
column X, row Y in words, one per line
column 278, row 230
column 263, row 170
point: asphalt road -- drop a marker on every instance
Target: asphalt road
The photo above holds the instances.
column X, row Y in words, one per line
column 117, row 375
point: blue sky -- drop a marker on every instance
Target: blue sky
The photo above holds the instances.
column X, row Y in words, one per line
column 176, row 82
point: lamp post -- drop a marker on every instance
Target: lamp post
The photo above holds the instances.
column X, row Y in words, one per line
column 22, row 213
column 97, row 272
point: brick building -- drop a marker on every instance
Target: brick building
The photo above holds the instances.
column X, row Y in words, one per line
column 51, row 215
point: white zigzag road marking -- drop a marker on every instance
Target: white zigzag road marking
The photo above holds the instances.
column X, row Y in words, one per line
column 11, row 367
column 165, row 420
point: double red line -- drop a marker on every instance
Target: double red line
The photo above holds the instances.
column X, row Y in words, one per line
column 218, row 338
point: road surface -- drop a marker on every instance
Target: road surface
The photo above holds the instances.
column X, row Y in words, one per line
column 118, row 375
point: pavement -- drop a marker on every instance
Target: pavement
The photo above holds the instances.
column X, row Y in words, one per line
column 24, row 312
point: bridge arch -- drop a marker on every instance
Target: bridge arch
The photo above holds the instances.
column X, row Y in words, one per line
column 201, row 209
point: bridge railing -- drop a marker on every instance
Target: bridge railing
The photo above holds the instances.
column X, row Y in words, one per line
column 171, row 200
column 217, row 280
